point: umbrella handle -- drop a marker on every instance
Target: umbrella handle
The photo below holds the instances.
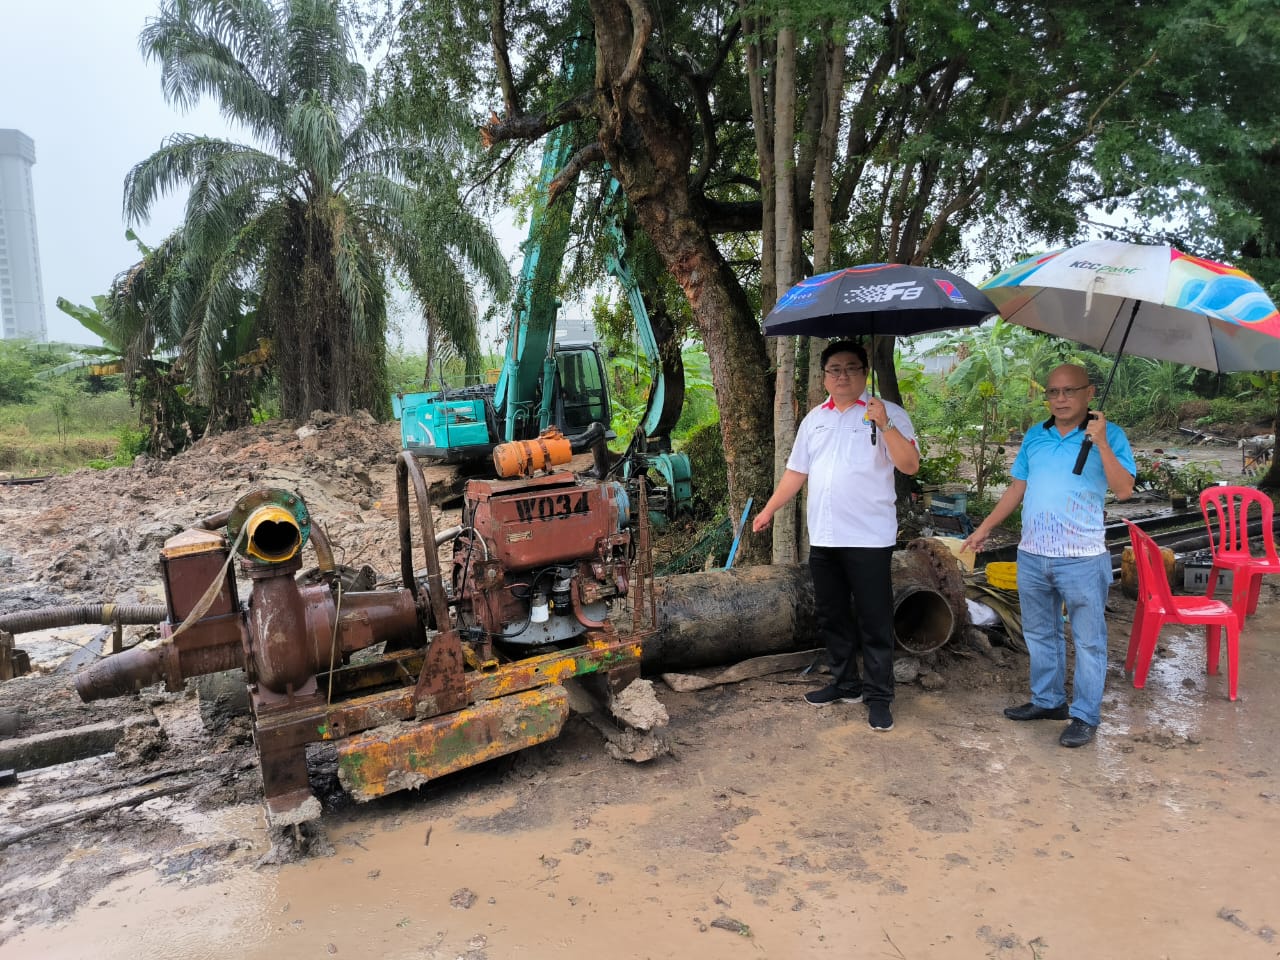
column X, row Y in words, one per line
column 1085, row 446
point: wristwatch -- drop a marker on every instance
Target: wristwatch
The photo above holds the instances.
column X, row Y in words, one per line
column 890, row 425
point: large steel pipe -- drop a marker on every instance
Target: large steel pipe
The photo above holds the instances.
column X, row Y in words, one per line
column 130, row 670
column 922, row 618
column 723, row 616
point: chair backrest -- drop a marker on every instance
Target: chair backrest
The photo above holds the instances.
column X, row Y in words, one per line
column 1153, row 584
column 1226, row 514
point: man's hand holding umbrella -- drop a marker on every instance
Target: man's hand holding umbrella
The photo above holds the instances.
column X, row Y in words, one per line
column 1119, row 479
column 903, row 452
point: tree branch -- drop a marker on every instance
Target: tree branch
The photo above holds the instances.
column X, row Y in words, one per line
column 591, row 153
column 498, row 33
column 524, row 127
column 641, row 28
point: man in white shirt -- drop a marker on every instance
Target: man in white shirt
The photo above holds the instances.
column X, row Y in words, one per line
column 853, row 526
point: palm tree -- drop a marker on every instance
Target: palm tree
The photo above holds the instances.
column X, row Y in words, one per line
column 334, row 191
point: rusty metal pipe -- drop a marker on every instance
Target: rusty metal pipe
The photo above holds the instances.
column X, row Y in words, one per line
column 922, row 619
column 371, row 616
column 129, row 671
column 46, row 618
column 724, row 616
column 218, row 645
column 215, row 521
column 121, row 674
column 278, row 624
column 324, row 549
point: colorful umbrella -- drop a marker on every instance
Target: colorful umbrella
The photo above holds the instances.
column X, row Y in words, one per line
column 1153, row 301
column 877, row 298
column 1150, row 300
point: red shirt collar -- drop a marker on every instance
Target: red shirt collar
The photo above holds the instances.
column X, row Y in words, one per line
column 830, row 403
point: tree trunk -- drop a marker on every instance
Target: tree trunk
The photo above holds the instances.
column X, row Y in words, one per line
column 785, row 548
column 762, row 122
column 823, row 175
column 648, row 146
column 431, row 354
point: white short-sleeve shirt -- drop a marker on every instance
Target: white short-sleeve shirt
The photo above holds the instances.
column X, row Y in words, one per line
column 851, row 493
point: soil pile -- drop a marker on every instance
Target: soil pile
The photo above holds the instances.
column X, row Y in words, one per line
column 95, row 535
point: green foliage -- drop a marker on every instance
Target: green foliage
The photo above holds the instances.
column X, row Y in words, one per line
column 1145, row 394
column 65, row 427
column 628, row 390
column 131, row 444
column 629, row 383
column 1193, row 136
column 1249, row 407
column 942, row 466
column 291, row 237
column 705, row 449
column 16, row 372
column 24, row 363
column 90, row 318
column 965, row 418
column 1164, row 475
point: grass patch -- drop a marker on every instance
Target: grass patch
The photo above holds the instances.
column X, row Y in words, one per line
column 61, row 434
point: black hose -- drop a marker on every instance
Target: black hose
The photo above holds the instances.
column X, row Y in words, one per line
column 47, row 618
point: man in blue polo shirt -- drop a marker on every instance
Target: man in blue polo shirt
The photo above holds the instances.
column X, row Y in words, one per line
column 1062, row 557
column 853, row 526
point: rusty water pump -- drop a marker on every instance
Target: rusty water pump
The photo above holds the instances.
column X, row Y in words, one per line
column 469, row 671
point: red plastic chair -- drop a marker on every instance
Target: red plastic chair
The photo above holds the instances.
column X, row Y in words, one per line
column 1157, row 606
column 1226, row 514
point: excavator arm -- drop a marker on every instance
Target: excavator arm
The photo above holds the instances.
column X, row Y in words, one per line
column 525, row 393
column 650, row 447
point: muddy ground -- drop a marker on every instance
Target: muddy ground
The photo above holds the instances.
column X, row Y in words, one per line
column 775, row 829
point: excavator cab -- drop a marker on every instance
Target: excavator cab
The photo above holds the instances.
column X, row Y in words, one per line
column 583, row 398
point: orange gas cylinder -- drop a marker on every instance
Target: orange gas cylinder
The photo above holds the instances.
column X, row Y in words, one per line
column 521, row 458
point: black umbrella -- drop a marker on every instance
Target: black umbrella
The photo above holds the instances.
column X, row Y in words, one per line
column 877, row 298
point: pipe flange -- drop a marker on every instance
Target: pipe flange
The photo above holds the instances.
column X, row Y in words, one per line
column 275, row 523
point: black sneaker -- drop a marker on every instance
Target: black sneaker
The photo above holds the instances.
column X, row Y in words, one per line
column 832, row 694
column 1078, row 733
column 880, row 718
column 1029, row 711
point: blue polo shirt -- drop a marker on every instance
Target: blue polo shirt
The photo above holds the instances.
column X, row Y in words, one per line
column 1061, row 512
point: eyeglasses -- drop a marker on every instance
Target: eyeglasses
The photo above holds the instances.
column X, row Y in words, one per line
column 838, row 372
column 1053, row 393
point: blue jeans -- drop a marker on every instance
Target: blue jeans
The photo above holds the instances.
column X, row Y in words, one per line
column 1044, row 585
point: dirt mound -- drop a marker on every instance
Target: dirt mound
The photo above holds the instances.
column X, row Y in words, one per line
column 95, row 534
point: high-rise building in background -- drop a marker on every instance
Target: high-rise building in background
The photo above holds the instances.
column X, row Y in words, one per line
column 21, row 293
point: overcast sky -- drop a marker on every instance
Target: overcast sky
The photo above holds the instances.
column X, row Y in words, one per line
column 72, row 79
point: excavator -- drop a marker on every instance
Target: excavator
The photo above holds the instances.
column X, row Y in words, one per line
column 561, row 387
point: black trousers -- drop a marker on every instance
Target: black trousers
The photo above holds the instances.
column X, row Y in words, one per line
column 853, row 600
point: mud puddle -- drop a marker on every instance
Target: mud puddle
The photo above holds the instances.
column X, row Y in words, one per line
column 776, row 830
